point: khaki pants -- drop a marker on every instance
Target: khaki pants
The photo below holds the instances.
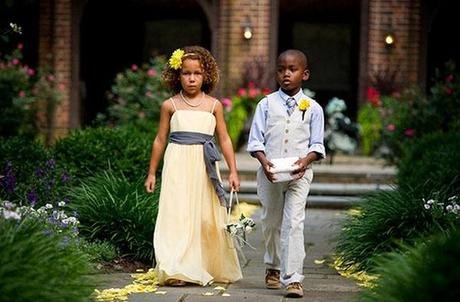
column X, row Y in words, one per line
column 283, row 216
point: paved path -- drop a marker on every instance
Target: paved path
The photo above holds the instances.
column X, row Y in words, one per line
column 321, row 282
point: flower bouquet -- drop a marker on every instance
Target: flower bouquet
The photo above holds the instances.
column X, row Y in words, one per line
column 239, row 229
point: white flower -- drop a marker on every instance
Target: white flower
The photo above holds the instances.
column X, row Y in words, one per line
column 452, row 198
column 449, row 208
column 61, row 203
column 427, row 206
column 8, row 204
column 11, row 215
column 431, row 201
column 48, row 206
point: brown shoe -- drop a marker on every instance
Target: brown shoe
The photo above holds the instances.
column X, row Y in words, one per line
column 272, row 279
column 294, row 290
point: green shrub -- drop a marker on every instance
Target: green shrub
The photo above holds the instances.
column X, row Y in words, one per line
column 112, row 209
column 427, row 272
column 24, row 92
column 385, row 220
column 413, row 114
column 98, row 251
column 24, row 155
column 38, row 266
column 137, row 94
column 239, row 109
column 371, row 126
column 92, row 150
column 430, row 162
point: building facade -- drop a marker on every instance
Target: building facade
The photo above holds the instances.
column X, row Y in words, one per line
column 348, row 42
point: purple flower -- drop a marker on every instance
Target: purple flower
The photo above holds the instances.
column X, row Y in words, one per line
column 32, row 197
column 39, row 172
column 9, row 179
column 65, row 177
column 51, row 163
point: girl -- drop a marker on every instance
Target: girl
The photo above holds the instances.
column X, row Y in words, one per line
column 189, row 240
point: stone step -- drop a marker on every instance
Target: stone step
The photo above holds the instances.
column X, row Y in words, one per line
column 314, row 201
column 326, row 189
column 333, row 174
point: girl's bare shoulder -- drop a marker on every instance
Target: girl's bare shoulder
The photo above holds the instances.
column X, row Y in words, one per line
column 168, row 104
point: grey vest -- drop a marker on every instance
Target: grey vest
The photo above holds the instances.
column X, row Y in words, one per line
column 286, row 136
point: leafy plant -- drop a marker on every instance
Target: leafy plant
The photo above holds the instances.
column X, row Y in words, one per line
column 137, row 94
column 384, row 221
column 430, row 162
column 38, row 266
column 429, row 271
column 112, row 209
column 239, row 109
column 24, row 92
column 92, row 150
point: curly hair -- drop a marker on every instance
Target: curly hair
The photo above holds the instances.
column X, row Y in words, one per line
column 171, row 76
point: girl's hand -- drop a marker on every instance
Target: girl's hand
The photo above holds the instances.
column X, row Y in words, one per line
column 234, row 182
column 149, row 184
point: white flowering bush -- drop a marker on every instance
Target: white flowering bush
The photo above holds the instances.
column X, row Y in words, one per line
column 53, row 218
column 448, row 209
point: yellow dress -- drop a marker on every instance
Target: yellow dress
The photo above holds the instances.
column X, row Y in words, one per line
column 190, row 240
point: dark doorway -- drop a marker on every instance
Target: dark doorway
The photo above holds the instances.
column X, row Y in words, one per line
column 117, row 34
column 443, row 45
column 328, row 32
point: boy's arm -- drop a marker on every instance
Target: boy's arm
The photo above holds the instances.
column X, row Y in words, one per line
column 256, row 142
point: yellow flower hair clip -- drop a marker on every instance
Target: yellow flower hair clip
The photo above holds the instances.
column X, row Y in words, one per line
column 175, row 61
column 304, row 104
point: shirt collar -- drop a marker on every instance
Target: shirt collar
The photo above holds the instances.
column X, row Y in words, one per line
column 297, row 96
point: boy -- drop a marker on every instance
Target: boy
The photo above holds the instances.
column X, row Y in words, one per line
column 286, row 123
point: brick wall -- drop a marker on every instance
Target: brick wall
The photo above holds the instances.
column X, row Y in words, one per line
column 233, row 50
column 403, row 19
column 55, row 50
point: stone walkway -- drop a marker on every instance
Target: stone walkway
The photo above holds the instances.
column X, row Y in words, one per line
column 321, row 283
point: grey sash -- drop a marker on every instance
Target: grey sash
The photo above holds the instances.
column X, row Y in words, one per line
column 211, row 155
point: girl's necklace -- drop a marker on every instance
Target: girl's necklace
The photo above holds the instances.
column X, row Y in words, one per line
column 190, row 104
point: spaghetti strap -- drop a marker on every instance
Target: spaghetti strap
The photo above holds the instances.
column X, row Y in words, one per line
column 174, row 104
column 213, row 106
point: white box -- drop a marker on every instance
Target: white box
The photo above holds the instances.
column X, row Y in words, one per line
column 283, row 167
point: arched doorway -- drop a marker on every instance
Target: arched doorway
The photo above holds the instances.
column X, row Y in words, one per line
column 328, row 32
column 116, row 34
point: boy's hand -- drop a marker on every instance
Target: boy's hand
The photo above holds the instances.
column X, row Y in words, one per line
column 149, row 184
column 267, row 165
column 302, row 163
column 234, row 182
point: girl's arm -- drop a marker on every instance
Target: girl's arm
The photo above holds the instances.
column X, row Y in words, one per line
column 159, row 145
column 226, row 146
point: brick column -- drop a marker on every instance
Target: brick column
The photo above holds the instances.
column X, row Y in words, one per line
column 55, row 47
column 233, row 50
column 402, row 18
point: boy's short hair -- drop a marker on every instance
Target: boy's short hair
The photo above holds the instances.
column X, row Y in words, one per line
column 171, row 76
column 297, row 53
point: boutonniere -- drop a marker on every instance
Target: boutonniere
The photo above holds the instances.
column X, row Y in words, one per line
column 175, row 61
column 304, row 104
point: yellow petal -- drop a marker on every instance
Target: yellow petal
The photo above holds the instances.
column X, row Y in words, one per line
column 208, row 294
column 225, row 295
column 317, row 261
column 219, row 288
